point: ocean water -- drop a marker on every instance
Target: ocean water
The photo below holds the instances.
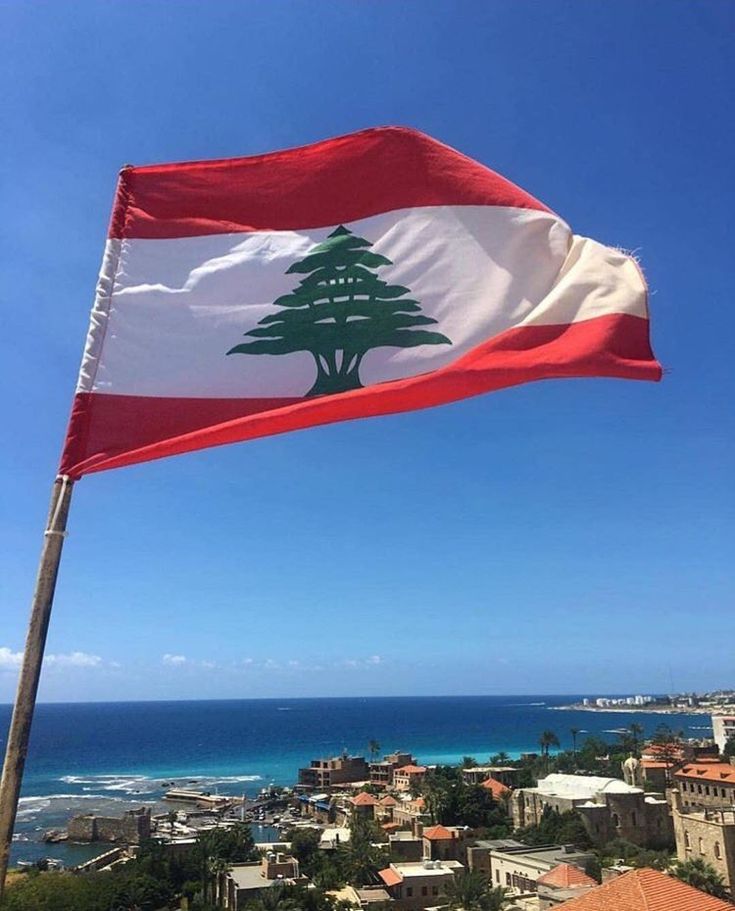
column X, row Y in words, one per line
column 108, row 757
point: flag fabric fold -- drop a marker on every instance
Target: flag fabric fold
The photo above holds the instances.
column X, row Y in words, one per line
column 370, row 274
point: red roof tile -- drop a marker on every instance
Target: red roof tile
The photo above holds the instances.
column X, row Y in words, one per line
column 437, row 833
column 410, row 770
column 388, row 801
column 718, row 772
column 496, row 788
column 363, row 799
column 566, row 875
column 391, row 878
column 645, row 890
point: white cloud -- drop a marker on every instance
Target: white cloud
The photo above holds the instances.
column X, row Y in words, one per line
column 9, row 660
column 174, row 660
column 73, row 659
column 360, row 663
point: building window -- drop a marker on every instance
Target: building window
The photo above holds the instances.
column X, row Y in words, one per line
column 701, row 846
column 632, row 819
column 409, row 891
column 687, row 843
column 424, row 890
column 507, row 879
column 435, row 890
column 616, row 820
column 717, row 850
column 706, row 790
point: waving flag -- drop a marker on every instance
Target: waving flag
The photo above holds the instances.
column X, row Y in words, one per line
column 373, row 273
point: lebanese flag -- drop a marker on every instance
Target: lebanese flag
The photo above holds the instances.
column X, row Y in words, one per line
column 369, row 274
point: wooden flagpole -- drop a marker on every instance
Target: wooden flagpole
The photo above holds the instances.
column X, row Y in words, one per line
column 25, row 699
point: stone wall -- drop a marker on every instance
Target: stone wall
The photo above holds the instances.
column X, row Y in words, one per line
column 130, row 828
column 707, row 834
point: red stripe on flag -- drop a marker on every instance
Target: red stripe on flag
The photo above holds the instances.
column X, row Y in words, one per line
column 327, row 183
column 110, row 431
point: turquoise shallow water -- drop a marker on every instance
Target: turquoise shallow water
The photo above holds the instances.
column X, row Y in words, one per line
column 93, row 757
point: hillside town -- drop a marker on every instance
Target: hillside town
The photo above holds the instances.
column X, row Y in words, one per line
column 557, row 828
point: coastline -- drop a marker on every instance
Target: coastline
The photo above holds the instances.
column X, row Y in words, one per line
column 639, row 709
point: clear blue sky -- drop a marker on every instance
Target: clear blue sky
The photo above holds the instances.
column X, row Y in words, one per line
column 567, row 536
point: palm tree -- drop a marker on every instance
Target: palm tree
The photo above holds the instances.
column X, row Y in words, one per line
column 574, row 732
column 698, row 873
column 547, row 740
column 472, row 891
column 501, row 758
column 636, row 732
column 278, row 898
column 374, row 749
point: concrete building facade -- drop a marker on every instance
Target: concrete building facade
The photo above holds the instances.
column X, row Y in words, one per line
column 415, row 886
column 724, row 728
column 326, row 773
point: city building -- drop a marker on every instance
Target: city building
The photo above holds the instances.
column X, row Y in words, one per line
column 405, row 847
column 406, row 776
column 481, row 773
column 445, row 842
column 518, row 867
column 381, row 773
column 326, row 773
column 363, row 805
column 411, row 813
column 706, row 784
column 561, row 883
column 724, row 728
column 414, row 886
column 608, row 807
column 500, row 791
column 645, row 890
column 243, row 882
column 708, row 833
column 384, row 808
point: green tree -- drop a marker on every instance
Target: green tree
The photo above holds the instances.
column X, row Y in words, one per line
column 472, row 891
column 468, row 762
column 698, row 873
column 362, row 857
column 556, row 828
column 339, row 312
column 219, row 848
column 547, row 740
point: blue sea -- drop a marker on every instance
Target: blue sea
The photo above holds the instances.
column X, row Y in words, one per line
column 108, row 757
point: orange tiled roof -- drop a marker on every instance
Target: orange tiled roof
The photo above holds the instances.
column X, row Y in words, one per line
column 654, row 764
column 391, row 878
column 391, row 826
column 388, row 801
column 645, row 890
column 363, row 799
column 496, row 788
column 437, row 833
column 410, row 769
column 654, row 749
column 566, row 875
column 708, row 771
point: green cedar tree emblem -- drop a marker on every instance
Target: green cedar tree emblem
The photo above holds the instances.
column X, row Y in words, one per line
column 339, row 312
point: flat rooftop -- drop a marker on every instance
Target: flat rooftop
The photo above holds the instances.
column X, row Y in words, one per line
column 419, row 868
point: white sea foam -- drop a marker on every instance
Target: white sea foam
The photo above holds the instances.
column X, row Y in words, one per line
column 31, row 806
